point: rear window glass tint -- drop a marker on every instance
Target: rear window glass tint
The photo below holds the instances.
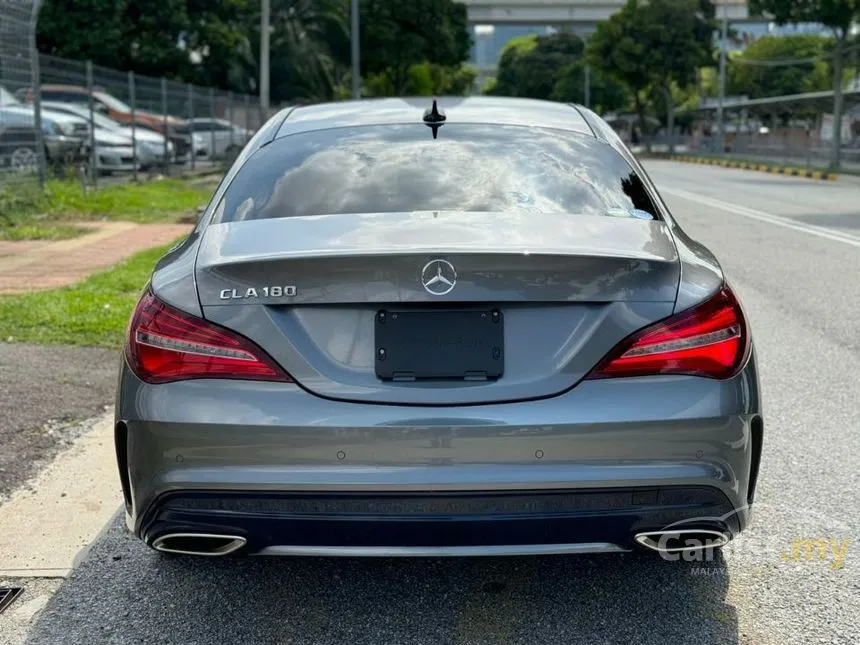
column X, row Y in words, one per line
column 401, row 168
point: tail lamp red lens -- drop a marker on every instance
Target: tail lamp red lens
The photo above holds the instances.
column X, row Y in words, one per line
column 165, row 344
column 710, row 339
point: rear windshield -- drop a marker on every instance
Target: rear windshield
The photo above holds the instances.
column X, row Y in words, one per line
column 402, row 168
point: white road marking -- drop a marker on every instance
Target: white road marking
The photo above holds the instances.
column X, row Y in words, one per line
column 43, row 527
column 761, row 216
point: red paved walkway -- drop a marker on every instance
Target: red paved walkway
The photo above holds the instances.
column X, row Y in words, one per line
column 27, row 266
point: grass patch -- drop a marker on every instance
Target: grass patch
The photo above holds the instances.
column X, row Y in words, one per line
column 42, row 231
column 64, row 201
column 93, row 312
column 151, row 201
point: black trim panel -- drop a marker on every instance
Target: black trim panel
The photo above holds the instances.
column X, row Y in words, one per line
column 436, row 520
column 756, row 441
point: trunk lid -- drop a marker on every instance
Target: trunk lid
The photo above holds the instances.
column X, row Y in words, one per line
column 308, row 290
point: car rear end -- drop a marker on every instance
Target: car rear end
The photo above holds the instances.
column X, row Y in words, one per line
column 116, row 157
column 177, row 132
column 179, row 135
column 61, row 135
column 382, row 341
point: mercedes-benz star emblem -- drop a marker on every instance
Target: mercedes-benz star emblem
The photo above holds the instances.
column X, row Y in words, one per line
column 438, row 277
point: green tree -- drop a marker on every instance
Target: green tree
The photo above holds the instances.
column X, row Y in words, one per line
column 457, row 81
column 836, row 15
column 309, row 48
column 397, row 34
column 139, row 35
column 655, row 48
column 552, row 67
column 425, row 79
column 531, row 65
column 508, row 73
column 219, row 33
column 605, row 94
column 209, row 42
column 201, row 41
column 618, row 49
column 428, row 79
column 745, row 76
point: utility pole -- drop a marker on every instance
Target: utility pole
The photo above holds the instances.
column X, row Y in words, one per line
column 587, row 86
column 35, row 76
column 356, row 50
column 265, row 20
column 838, row 57
column 721, row 126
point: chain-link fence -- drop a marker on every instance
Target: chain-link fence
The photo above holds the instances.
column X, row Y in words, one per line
column 21, row 145
column 98, row 122
column 793, row 130
column 131, row 124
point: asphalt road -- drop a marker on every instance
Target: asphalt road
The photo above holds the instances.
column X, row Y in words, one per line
column 798, row 274
column 43, row 390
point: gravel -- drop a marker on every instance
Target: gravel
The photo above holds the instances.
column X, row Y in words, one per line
column 43, row 390
column 125, row 593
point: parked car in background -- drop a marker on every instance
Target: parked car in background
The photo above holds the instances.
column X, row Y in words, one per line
column 6, row 97
column 150, row 145
column 217, row 138
column 114, row 151
column 175, row 129
column 62, row 137
column 77, row 129
column 179, row 136
column 17, row 147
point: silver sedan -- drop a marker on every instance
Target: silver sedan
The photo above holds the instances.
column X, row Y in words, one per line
column 464, row 328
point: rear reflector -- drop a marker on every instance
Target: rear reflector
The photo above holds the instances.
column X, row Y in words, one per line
column 710, row 340
column 165, row 344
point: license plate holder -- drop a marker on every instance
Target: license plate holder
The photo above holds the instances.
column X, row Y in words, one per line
column 454, row 344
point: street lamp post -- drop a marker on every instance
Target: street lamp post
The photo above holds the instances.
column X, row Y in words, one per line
column 721, row 127
column 356, row 50
column 587, row 86
column 265, row 20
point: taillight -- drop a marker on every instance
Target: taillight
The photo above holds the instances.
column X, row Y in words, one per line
column 710, row 339
column 165, row 344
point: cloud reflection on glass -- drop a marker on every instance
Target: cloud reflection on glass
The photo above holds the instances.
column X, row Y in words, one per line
column 400, row 168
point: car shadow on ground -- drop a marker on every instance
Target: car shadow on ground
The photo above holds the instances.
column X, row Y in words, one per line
column 124, row 593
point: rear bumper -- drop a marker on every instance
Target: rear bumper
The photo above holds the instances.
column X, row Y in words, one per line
column 497, row 523
column 590, row 466
column 181, row 145
column 115, row 158
column 61, row 148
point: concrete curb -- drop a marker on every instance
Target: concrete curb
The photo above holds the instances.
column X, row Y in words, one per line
column 45, row 525
column 776, row 169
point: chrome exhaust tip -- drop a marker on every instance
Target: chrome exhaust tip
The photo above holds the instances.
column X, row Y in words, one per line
column 682, row 540
column 198, row 544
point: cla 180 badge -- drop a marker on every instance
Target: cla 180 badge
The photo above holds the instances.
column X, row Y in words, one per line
column 253, row 292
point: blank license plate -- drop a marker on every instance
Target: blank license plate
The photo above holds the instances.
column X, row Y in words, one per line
column 450, row 344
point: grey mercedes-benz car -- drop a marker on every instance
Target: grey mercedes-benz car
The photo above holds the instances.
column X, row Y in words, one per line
column 471, row 328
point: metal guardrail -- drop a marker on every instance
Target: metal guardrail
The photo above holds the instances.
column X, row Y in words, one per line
column 792, row 149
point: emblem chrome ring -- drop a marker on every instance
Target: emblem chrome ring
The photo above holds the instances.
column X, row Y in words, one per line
column 438, row 277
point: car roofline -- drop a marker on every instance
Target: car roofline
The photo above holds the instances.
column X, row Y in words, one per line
column 509, row 111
